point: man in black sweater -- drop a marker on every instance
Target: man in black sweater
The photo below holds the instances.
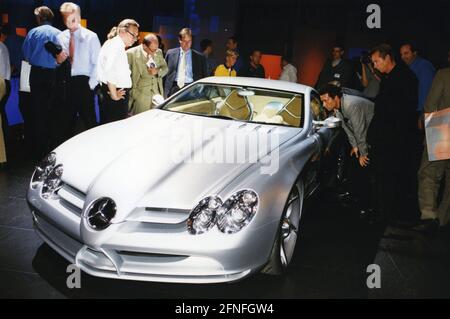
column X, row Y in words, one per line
column 392, row 136
column 337, row 69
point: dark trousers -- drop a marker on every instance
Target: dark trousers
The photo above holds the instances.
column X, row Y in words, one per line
column 110, row 110
column 77, row 102
column 358, row 180
column 42, row 86
column 361, row 182
column 25, row 106
column 5, row 125
column 395, row 189
column 175, row 88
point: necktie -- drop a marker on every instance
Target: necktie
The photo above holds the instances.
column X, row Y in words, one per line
column 182, row 70
column 71, row 47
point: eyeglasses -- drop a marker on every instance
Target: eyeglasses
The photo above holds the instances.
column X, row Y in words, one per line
column 135, row 36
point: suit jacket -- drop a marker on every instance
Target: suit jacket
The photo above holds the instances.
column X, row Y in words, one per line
column 144, row 85
column 198, row 68
column 356, row 114
column 393, row 131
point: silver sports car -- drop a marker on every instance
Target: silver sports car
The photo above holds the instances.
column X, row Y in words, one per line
column 208, row 187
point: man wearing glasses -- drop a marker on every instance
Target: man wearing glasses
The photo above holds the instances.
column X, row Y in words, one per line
column 185, row 65
column 337, row 69
column 148, row 67
column 113, row 72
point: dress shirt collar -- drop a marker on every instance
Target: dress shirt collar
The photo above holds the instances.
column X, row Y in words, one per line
column 287, row 66
column 144, row 53
column 335, row 63
column 77, row 32
column 415, row 62
column 185, row 52
column 117, row 38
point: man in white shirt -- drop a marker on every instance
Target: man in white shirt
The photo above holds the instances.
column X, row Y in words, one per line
column 82, row 47
column 289, row 72
column 5, row 74
column 114, row 74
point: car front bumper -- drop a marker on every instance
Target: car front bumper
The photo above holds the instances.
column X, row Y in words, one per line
column 150, row 252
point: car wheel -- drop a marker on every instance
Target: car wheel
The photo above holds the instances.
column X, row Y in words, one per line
column 287, row 234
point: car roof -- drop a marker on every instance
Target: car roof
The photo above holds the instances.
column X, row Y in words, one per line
column 259, row 83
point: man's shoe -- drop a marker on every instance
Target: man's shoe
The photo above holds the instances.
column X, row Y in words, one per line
column 371, row 216
column 346, row 199
column 428, row 227
column 366, row 213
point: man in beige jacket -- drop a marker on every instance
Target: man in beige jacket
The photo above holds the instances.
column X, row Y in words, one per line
column 431, row 174
column 148, row 67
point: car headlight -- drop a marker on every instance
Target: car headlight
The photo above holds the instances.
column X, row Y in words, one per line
column 203, row 216
column 237, row 211
column 52, row 182
column 43, row 169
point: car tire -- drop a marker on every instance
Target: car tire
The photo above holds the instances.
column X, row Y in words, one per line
column 287, row 233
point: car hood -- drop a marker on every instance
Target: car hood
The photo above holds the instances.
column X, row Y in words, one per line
column 161, row 158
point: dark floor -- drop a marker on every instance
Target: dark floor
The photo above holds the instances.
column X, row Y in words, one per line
column 330, row 261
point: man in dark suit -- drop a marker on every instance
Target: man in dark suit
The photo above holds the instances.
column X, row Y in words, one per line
column 185, row 64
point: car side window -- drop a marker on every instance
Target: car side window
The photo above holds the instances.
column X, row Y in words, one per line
column 317, row 109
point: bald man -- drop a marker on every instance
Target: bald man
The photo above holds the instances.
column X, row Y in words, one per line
column 148, row 67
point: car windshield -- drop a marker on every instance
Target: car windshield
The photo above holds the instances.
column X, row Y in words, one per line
column 240, row 103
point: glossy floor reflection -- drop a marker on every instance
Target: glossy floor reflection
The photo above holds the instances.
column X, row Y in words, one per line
column 330, row 261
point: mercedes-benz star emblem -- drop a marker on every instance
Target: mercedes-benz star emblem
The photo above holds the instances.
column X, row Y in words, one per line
column 100, row 213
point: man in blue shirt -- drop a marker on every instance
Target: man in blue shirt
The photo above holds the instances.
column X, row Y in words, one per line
column 82, row 47
column 42, row 78
column 423, row 69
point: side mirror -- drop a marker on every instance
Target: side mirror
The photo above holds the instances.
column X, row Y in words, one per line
column 331, row 122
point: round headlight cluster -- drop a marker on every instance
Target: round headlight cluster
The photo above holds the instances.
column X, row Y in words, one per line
column 203, row 216
column 237, row 211
column 53, row 182
column 230, row 217
column 43, row 169
column 47, row 174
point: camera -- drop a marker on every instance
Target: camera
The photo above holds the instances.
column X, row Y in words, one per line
column 365, row 58
column 53, row 48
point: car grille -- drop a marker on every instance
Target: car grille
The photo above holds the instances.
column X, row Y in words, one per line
column 72, row 199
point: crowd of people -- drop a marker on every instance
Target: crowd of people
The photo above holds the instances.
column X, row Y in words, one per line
column 69, row 68
column 381, row 104
column 389, row 172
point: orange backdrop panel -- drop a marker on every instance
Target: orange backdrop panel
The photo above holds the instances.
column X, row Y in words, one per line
column 22, row 32
column 5, row 18
column 83, row 23
column 142, row 35
column 272, row 66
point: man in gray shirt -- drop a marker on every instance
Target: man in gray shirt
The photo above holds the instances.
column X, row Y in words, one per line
column 356, row 113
